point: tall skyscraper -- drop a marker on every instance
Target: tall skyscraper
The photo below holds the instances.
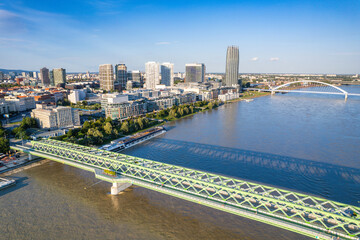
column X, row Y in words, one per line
column 35, row 75
column 44, row 76
column 195, row 72
column 167, row 74
column 152, row 74
column 59, row 75
column 121, row 75
column 232, row 66
column 106, row 76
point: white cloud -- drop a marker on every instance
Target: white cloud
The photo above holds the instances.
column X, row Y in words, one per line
column 162, row 43
column 254, row 59
column 274, row 59
column 11, row 40
column 7, row 14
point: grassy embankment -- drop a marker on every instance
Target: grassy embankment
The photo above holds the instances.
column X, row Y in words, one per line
column 249, row 95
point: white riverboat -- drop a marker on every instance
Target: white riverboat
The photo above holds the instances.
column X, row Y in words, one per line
column 129, row 141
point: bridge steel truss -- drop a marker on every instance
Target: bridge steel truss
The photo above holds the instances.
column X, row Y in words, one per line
column 308, row 212
column 279, row 89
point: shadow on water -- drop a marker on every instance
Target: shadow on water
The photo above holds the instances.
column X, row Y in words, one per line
column 20, row 183
column 338, row 183
column 155, row 216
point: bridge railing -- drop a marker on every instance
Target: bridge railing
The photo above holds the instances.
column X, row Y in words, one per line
column 309, row 211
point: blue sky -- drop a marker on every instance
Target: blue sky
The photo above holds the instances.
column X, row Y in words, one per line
column 321, row 36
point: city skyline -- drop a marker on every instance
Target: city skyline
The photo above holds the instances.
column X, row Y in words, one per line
column 273, row 37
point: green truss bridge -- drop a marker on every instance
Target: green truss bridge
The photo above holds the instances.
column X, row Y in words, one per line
column 308, row 215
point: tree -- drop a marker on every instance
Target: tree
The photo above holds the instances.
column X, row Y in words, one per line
column 186, row 111
column 2, row 132
column 115, row 132
column 125, row 127
column 191, row 108
column 85, row 103
column 140, row 123
column 173, row 113
column 108, row 128
column 180, row 111
column 69, row 133
column 22, row 134
column 145, row 121
column 108, row 119
column 4, row 145
column 98, row 134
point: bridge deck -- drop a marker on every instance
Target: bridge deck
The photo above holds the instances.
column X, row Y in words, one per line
column 298, row 212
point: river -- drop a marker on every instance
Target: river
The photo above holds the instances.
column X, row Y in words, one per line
column 306, row 143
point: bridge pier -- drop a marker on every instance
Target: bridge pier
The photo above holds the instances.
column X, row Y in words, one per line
column 346, row 96
column 30, row 157
column 119, row 187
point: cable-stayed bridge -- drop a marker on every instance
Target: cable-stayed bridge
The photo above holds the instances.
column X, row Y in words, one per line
column 308, row 215
column 307, row 86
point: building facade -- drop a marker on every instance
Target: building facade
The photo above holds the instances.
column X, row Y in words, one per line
column 152, row 74
column 59, row 75
column 110, row 100
column 126, row 110
column 167, row 74
column 121, row 77
column 160, row 103
column 45, row 76
column 195, row 72
column 77, row 95
column 22, row 103
column 7, row 107
column 106, row 77
column 232, row 66
column 228, row 96
column 55, row 117
column 136, row 78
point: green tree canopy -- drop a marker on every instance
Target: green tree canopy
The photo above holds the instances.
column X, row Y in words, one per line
column 4, row 145
column 125, row 127
column 108, row 128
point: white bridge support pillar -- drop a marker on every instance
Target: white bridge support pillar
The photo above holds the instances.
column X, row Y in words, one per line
column 272, row 92
column 119, row 187
column 346, row 96
column 30, row 157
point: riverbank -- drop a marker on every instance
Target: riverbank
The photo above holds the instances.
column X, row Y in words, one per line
column 21, row 166
column 249, row 95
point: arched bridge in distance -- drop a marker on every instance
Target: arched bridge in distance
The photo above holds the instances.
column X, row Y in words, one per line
column 306, row 86
column 305, row 214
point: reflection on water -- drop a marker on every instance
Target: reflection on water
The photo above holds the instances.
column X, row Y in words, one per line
column 334, row 182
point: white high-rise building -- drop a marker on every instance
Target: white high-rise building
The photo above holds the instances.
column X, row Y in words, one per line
column 152, row 74
column 35, row 75
column 106, row 76
column 232, row 66
column 167, row 74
